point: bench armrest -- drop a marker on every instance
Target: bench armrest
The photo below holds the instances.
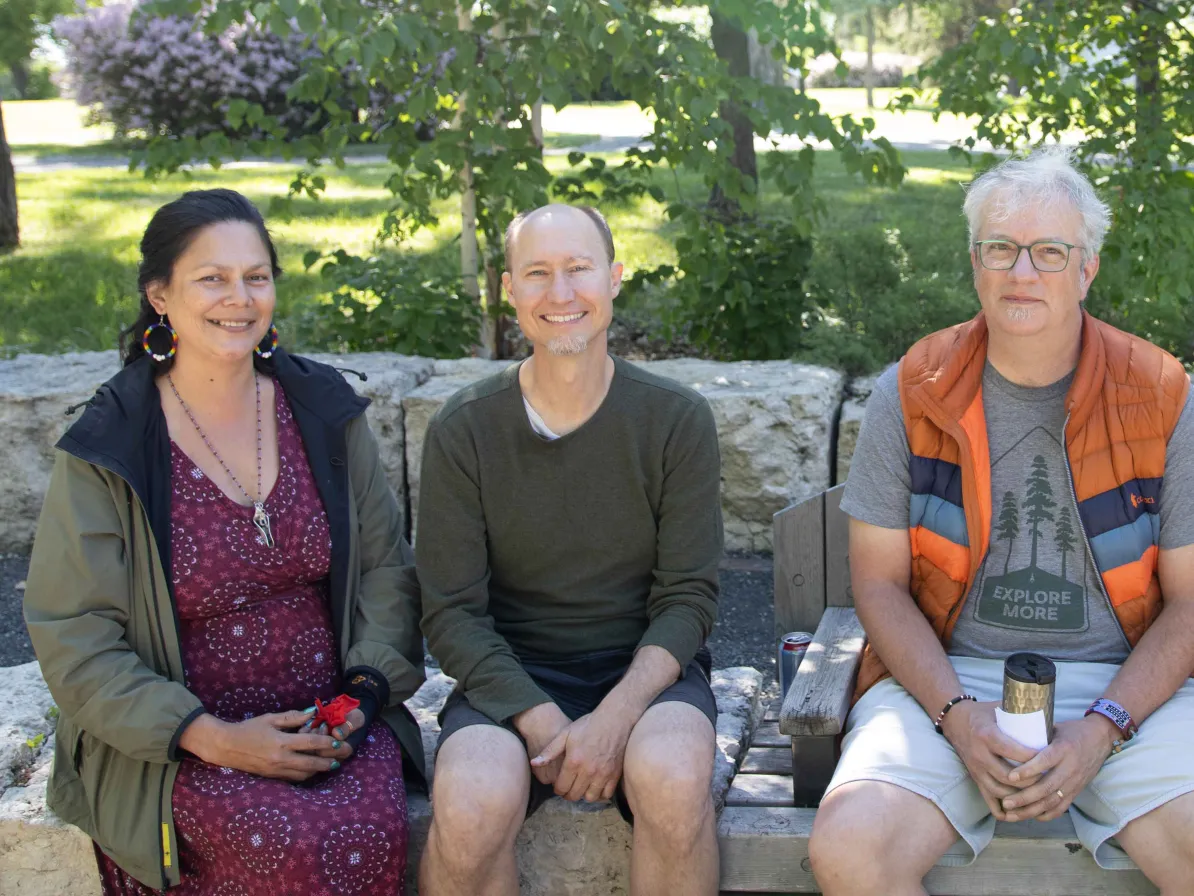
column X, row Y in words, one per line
column 818, row 701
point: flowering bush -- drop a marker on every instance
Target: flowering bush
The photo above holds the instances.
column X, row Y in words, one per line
column 164, row 76
column 889, row 70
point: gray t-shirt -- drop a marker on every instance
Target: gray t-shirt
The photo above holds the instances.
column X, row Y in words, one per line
column 1038, row 588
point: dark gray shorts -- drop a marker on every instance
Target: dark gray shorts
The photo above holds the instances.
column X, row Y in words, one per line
column 577, row 685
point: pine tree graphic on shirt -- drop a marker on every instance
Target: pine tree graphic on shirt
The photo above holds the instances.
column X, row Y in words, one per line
column 1009, row 525
column 1033, row 593
column 1038, row 502
column 1063, row 534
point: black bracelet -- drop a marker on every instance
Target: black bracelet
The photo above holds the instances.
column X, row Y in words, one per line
column 948, row 706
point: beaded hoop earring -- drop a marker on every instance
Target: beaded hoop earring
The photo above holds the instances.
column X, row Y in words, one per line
column 160, row 325
column 271, row 338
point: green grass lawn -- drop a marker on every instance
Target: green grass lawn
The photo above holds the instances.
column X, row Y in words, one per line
column 72, row 283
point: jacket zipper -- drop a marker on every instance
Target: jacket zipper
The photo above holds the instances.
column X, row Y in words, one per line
column 1069, row 473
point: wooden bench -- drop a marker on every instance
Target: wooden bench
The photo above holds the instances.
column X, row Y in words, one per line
column 770, row 807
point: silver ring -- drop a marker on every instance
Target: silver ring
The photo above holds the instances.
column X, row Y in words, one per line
column 1060, row 795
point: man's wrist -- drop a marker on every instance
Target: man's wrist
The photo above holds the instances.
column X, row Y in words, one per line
column 530, row 717
column 1109, row 732
column 620, row 706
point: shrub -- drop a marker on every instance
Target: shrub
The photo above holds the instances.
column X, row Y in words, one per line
column 825, row 71
column 164, row 76
column 742, row 295
column 871, row 302
column 389, row 303
column 40, row 84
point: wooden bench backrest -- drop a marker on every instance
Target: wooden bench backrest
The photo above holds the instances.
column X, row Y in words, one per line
column 812, row 568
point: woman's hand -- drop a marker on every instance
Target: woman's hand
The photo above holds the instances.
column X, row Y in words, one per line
column 339, row 749
column 263, row 746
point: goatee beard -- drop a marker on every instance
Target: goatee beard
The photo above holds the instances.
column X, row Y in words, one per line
column 563, row 346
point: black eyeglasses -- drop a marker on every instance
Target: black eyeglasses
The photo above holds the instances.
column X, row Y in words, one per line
column 1047, row 256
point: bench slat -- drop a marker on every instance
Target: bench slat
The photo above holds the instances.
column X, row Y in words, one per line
column 767, row 761
column 838, row 592
column 767, row 735
column 819, row 699
column 798, row 536
column 765, row 850
column 760, row 790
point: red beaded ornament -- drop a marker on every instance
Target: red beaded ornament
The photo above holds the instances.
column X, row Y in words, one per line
column 334, row 713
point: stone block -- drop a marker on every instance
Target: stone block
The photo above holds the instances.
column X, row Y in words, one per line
column 578, row 849
column 850, row 422
column 420, row 405
column 26, row 720
column 39, row 854
column 35, row 391
column 774, row 420
column 390, row 377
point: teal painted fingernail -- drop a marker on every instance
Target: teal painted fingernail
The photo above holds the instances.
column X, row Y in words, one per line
column 335, row 764
column 335, row 745
column 309, row 709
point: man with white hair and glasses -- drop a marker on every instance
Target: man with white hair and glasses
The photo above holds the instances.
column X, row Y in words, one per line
column 1022, row 482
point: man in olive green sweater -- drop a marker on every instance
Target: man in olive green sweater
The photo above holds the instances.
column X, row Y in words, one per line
column 568, row 540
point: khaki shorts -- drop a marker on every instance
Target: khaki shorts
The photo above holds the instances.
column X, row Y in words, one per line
column 890, row 738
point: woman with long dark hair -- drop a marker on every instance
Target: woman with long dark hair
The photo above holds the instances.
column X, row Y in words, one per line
column 221, row 598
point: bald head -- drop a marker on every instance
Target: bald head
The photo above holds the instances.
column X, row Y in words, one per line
column 549, row 216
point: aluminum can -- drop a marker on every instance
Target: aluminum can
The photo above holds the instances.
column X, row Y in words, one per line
column 792, row 648
column 1029, row 680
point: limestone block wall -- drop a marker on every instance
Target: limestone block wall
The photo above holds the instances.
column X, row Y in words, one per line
column 776, row 422
column 774, row 425
column 850, row 422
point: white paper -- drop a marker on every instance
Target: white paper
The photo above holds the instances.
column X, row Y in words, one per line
column 1026, row 727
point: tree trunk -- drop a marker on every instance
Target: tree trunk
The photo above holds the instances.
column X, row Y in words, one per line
column 869, row 74
column 1150, row 32
column 20, row 78
column 469, row 256
column 10, row 234
column 537, row 124
column 733, row 47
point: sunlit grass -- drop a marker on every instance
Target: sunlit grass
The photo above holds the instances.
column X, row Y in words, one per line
column 50, row 123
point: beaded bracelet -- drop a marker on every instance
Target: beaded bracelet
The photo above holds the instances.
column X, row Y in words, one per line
column 948, row 706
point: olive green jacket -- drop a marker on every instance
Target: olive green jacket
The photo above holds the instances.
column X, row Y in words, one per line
column 103, row 622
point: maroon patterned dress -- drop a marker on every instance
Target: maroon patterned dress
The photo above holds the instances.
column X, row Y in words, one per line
column 257, row 638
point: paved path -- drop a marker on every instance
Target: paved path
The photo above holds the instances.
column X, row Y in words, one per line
column 612, row 128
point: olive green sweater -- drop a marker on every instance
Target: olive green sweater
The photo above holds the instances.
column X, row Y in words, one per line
column 608, row 537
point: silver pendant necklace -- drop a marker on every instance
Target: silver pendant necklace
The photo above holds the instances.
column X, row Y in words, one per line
column 260, row 517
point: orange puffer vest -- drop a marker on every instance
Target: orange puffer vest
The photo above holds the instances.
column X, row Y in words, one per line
column 1122, row 407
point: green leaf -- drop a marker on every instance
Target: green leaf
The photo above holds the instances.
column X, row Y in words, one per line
column 309, row 19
